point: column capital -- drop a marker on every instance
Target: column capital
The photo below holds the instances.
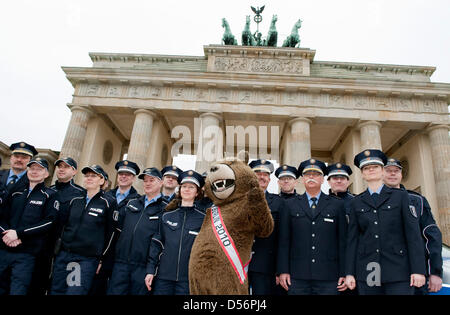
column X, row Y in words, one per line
column 86, row 109
column 145, row 111
column 299, row 119
column 368, row 123
column 210, row 114
column 432, row 127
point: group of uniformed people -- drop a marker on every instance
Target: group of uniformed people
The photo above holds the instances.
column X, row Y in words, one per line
column 68, row 239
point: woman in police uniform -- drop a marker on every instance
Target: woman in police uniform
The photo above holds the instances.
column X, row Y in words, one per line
column 86, row 236
column 384, row 247
column 171, row 248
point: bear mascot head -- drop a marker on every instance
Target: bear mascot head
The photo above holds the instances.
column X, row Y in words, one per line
column 222, row 249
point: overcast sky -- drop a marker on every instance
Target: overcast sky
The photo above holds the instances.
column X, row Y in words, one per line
column 39, row 37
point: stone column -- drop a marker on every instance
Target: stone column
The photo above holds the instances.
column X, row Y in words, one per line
column 299, row 145
column 440, row 152
column 300, row 141
column 210, row 144
column 370, row 135
column 76, row 132
column 141, row 136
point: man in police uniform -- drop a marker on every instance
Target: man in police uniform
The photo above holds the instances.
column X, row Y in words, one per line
column 339, row 180
column 25, row 221
column 21, row 154
column 262, row 269
column 66, row 190
column 124, row 192
column 287, row 180
column 170, row 175
column 312, row 238
column 431, row 234
column 13, row 180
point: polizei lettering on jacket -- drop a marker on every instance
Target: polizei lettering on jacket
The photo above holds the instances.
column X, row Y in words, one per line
column 227, row 244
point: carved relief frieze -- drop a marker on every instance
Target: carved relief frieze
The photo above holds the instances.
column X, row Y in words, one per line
column 261, row 65
column 264, row 96
column 93, row 89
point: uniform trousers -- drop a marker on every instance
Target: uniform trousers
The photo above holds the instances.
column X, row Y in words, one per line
column 21, row 266
column 312, row 287
column 391, row 288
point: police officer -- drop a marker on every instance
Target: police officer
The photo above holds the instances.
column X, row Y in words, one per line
column 312, row 238
column 339, row 180
column 86, row 237
column 384, row 247
column 139, row 225
column 171, row 247
column 21, row 154
column 170, row 175
column 287, row 181
column 431, row 234
column 124, row 192
column 65, row 169
column 27, row 217
column 262, row 269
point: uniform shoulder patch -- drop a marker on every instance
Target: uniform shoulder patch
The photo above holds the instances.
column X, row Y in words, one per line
column 413, row 211
column 116, row 215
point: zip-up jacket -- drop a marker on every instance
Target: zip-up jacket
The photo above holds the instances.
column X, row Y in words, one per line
column 31, row 215
column 123, row 204
column 431, row 235
column 139, row 225
column 65, row 192
column 171, row 247
column 90, row 227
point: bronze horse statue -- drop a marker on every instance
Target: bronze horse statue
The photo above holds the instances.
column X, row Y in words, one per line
column 293, row 39
column 228, row 37
column 272, row 36
column 247, row 37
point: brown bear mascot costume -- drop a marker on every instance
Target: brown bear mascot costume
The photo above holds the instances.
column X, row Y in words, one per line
column 222, row 249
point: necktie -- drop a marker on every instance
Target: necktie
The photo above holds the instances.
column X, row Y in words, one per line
column 12, row 181
column 375, row 198
column 314, row 204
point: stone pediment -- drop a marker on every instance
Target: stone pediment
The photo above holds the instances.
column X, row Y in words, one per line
column 254, row 60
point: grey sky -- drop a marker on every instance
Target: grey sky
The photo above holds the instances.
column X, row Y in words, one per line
column 38, row 37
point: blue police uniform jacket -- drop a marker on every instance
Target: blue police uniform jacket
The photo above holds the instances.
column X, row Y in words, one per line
column 108, row 261
column 264, row 250
column 31, row 214
column 385, row 232
column 138, row 226
column 65, row 192
column 171, row 248
column 20, row 185
column 346, row 196
column 90, row 227
column 431, row 234
column 312, row 247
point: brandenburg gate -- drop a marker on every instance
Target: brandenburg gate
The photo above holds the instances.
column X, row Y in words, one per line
column 150, row 106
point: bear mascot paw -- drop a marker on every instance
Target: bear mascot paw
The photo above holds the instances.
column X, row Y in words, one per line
column 222, row 249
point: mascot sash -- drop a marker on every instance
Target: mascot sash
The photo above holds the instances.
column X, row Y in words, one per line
column 227, row 244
